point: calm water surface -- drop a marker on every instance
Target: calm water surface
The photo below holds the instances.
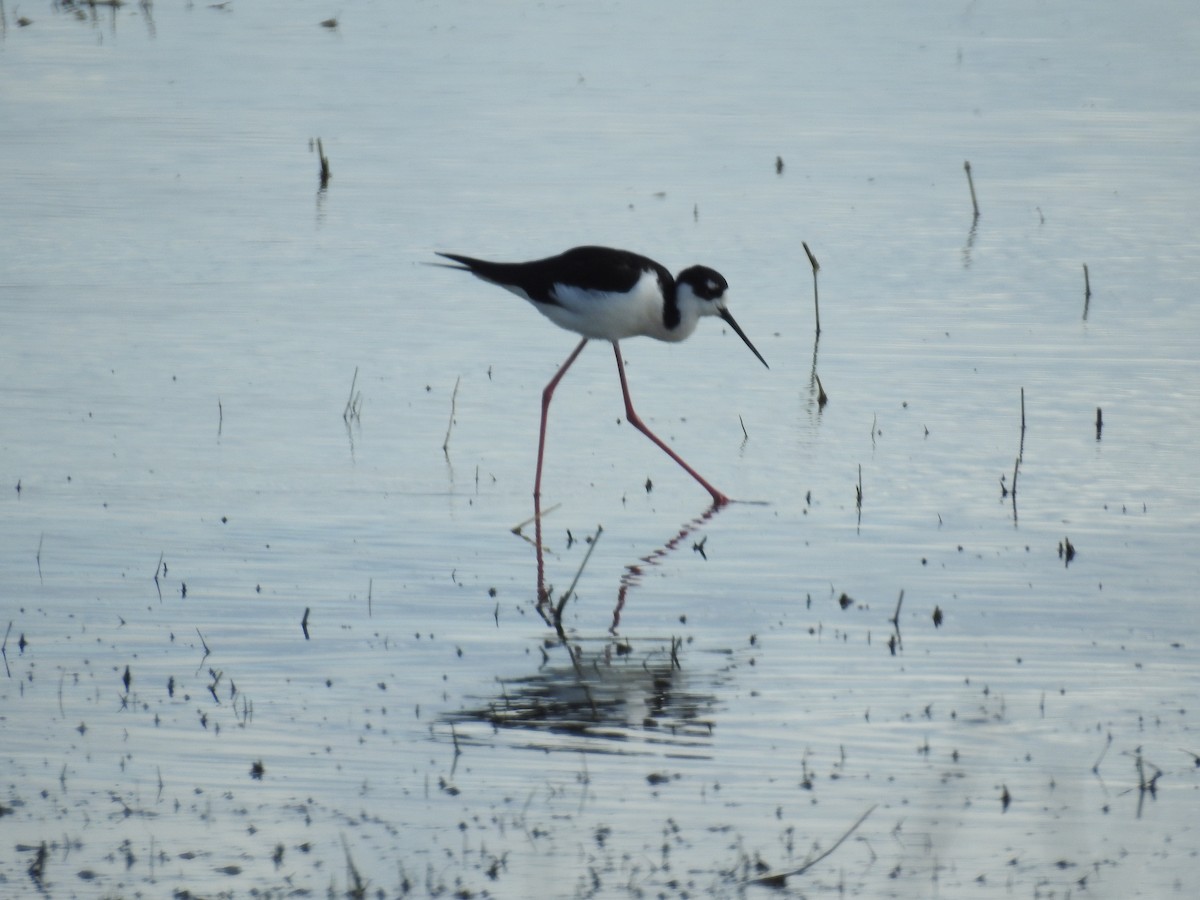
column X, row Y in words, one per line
column 182, row 314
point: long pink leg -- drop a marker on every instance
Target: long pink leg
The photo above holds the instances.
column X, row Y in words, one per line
column 719, row 499
column 547, row 395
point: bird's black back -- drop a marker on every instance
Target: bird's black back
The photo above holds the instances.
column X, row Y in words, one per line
column 601, row 269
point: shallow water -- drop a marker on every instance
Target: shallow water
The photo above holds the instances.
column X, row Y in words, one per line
column 184, row 313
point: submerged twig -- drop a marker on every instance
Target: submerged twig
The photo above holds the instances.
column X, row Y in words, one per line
column 358, row 888
column 453, row 406
column 896, row 641
column 1087, row 291
column 4, row 649
column 325, row 174
column 971, row 184
column 516, row 529
column 353, row 407
column 562, row 601
column 158, row 568
column 1020, row 457
column 1103, row 753
column 1016, row 469
column 816, row 267
column 779, row 879
column 895, row 619
column 1021, row 449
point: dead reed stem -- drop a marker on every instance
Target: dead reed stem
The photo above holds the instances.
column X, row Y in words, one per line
column 778, row 879
column 816, row 267
column 1087, row 291
column 562, row 601
column 971, row 185
column 453, row 407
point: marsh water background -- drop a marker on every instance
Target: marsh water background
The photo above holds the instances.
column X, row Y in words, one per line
column 182, row 313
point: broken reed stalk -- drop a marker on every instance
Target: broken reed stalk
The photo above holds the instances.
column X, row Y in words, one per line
column 895, row 620
column 359, row 888
column 158, row 569
column 43, row 538
column 1021, row 450
column 1103, row 753
column 353, row 402
column 516, row 529
column 453, row 406
column 562, row 601
column 779, row 879
column 1087, row 291
column 4, row 650
column 1016, row 469
column 325, row 173
column 1020, row 457
column 816, row 267
column 971, row 185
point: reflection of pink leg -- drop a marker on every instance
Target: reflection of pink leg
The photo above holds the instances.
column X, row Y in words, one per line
column 547, row 394
column 719, row 499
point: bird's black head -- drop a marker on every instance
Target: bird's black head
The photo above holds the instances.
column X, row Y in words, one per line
column 704, row 283
column 701, row 291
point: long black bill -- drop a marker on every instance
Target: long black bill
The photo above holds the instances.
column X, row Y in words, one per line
column 728, row 317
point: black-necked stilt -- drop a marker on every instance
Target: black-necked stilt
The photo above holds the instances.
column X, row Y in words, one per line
column 608, row 294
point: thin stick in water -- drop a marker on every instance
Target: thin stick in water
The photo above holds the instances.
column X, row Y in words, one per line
column 353, row 402
column 325, row 173
column 779, row 879
column 516, row 529
column 1016, row 469
column 971, row 184
column 453, row 405
column 4, row 651
column 1021, row 450
column 816, row 267
column 157, row 584
column 1087, row 291
column 558, row 611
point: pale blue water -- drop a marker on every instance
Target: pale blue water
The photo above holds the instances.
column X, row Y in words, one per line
column 181, row 315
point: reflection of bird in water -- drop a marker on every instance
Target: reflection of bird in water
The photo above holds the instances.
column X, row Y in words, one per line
column 608, row 294
column 634, row 571
column 610, row 699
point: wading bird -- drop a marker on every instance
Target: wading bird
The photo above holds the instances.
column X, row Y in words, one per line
column 607, row 294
